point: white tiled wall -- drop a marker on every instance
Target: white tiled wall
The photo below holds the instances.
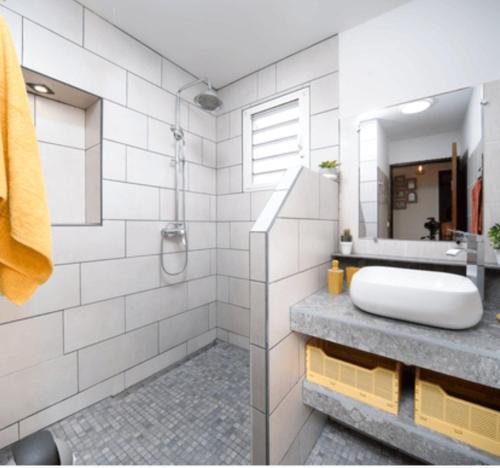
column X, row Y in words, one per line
column 317, row 68
column 108, row 318
column 290, row 250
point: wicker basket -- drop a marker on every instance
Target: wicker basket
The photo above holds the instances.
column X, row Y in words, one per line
column 461, row 416
column 372, row 379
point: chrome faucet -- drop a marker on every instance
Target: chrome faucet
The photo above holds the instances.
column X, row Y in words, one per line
column 474, row 247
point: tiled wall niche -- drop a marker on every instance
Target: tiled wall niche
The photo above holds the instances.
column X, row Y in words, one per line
column 68, row 125
column 108, row 318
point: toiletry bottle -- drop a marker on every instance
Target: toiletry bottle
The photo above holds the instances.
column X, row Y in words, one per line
column 335, row 278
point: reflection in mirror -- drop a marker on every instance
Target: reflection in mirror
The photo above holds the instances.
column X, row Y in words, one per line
column 421, row 168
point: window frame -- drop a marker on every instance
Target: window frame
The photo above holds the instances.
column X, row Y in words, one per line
column 303, row 97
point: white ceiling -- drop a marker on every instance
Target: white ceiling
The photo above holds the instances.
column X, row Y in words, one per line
column 228, row 39
column 447, row 114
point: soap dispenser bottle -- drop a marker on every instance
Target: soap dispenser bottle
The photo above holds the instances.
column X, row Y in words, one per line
column 335, row 278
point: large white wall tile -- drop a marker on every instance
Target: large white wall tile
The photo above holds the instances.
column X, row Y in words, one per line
column 124, row 125
column 258, row 305
column 239, row 292
column 89, row 324
column 71, row 405
column 328, row 199
column 103, row 360
column 317, row 242
column 258, row 389
column 202, row 235
column 112, row 278
column 129, row 201
column 143, row 238
column 222, row 127
column 285, row 293
column 183, row 327
column 258, row 256
column 233, row 263
column 114, row 160
column 283, row 368
column 233, row 207
column 283, row 249
column 153, row 306
column 325, row 93
column 240, row 235
column 229, row 152
column 303, row 199
column 233, row 318
column 29, row 390
column 201, row 291
column 27, row 343
column 144, row 167
column 108, row 41
column 201, row 179
column 325, row 129
column 304, row 66
column 150, row 99
column 71, row 63
column 197, row 207
column 209, row 153
column 286, row 422
column 67, row 22
column 60, row 291
column 160, row 138
column 85, row 243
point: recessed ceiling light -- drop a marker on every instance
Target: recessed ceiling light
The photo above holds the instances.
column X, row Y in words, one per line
column 416, row 106
column 40, row 88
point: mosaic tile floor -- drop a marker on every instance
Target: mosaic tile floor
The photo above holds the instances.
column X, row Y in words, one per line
column 339, row 445
column 196, row 413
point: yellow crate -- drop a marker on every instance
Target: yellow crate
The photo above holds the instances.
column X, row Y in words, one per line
column 372, row 379
column 460, row 416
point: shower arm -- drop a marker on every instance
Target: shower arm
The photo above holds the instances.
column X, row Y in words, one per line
column 178, row 98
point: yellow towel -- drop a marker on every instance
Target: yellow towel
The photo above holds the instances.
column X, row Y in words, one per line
column 25, row 241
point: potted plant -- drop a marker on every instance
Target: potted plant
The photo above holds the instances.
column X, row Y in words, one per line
column 494, row 236
column 346, row 242
column 329, row 169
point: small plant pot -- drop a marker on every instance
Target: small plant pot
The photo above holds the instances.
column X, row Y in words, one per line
column 345, row 248
column 330, row 172
column 497, row 253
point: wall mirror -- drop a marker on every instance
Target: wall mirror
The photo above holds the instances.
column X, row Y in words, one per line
column 421, row 168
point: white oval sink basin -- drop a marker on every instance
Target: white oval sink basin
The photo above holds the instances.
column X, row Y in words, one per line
column 432, row 298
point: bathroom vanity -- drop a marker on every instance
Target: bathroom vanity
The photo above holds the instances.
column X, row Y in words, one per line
column 471, row 354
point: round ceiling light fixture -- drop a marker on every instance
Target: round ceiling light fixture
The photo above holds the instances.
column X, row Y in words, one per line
column 40, row 88
column 416, row 106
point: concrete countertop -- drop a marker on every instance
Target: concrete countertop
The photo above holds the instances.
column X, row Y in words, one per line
column 472, row 354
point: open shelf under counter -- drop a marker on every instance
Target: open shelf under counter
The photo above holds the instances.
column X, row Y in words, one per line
column 399, row 431
column 472, row 354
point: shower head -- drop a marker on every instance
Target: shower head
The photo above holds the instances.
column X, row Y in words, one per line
column 208, row 99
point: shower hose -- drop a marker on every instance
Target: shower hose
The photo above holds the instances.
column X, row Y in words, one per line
column 182, row 161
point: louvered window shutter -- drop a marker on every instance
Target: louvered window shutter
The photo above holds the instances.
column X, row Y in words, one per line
column 275, row 138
